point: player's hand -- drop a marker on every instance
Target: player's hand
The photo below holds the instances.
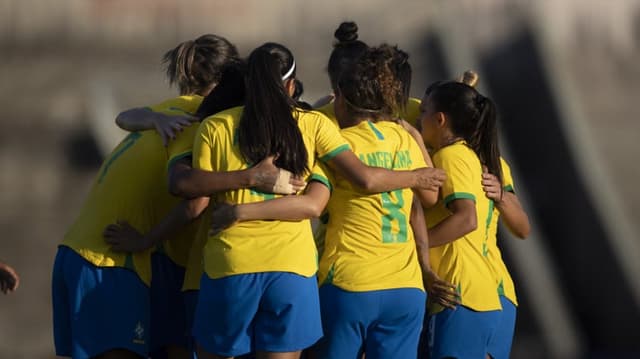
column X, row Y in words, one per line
column 491, row 185
column 168, row 126
column 223, row 216
column 122, row 237
column 271, row 179
column 430, row 178
column 440, row 291
column 9, row 280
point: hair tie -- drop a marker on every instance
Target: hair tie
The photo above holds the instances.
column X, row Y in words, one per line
column 290, row 72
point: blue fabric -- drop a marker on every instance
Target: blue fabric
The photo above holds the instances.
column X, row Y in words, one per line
column 168, row 322
column 500, row 344
column 381, row 323
column 271, row 312
column 461, row 333
column 97, row 309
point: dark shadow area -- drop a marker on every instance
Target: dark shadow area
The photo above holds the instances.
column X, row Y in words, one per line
column 532, row 127
column 81, row 151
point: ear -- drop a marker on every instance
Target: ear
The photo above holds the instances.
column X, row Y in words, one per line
column 441, row 119
column 290, row 86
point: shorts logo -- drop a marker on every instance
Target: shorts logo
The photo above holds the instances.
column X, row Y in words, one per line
column 139, row 334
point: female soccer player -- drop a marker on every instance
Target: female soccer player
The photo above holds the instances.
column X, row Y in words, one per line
column 259, row 278
column 460, row 125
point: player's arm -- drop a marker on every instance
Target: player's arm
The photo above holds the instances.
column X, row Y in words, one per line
column 142, row 118
column 506, row 201
column 289, row 208
column 377, row 180
column 188, row 182
column 440, row 291
column 124, row 238
column 463, row 220
column 427, row 197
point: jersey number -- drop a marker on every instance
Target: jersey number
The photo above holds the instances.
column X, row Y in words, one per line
column 125, row 145
column 394, row 214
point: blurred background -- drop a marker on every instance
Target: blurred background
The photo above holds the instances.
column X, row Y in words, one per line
column 564, row 74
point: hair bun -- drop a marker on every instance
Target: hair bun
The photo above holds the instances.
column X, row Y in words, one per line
column 469, row 78
column 346, row 32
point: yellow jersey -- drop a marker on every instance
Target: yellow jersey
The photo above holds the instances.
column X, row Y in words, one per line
column 177, row 248
column 464, row 262
column 369, row 243
column 505, row 283
column 411, row 115
column 131, row 186
column 260, row 246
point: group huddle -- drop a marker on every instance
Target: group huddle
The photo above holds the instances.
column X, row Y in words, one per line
column 237, row 221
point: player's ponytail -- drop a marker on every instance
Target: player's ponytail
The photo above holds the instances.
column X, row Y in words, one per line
column 195, row 66
column 346, row 50
column 484, row 139
column 267, row 126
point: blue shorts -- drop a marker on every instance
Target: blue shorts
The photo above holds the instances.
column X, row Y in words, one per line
column 97, row 309
column 461, row 333
column 168, row 320
column 270, row 311
column 381, row 323
column 190, row 303
column 500, row 344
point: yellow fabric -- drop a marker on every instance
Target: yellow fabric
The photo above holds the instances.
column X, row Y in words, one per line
column 260, row 246
column 464, row 261
column 131, row 186
column 369, row 243
column 329, row 111
column 412, row 111
column 177, row 248
column 505, row 282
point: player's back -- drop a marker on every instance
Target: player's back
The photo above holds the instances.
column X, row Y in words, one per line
column 130, row 186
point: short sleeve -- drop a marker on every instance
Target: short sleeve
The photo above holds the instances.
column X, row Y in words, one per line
column 182, row 146
column 507, row 179
column 459, row 183
column 329, row 141
column 203, row 148
column 320, row 173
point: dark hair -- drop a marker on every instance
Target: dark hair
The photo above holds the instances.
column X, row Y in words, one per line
column 196, row 65
column 268, row 126
column 297, row 93
column 471, row 116
column 370, row 87
column 230, row 91
column 402, row 69
column 346, row 50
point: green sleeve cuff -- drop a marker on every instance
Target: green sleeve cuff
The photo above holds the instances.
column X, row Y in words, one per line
column 459, row 195
column 334, row 153
column 509, row 188
column 177, row 158
column 321, row 179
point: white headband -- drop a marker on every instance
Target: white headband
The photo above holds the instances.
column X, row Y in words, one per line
column 290, row 72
